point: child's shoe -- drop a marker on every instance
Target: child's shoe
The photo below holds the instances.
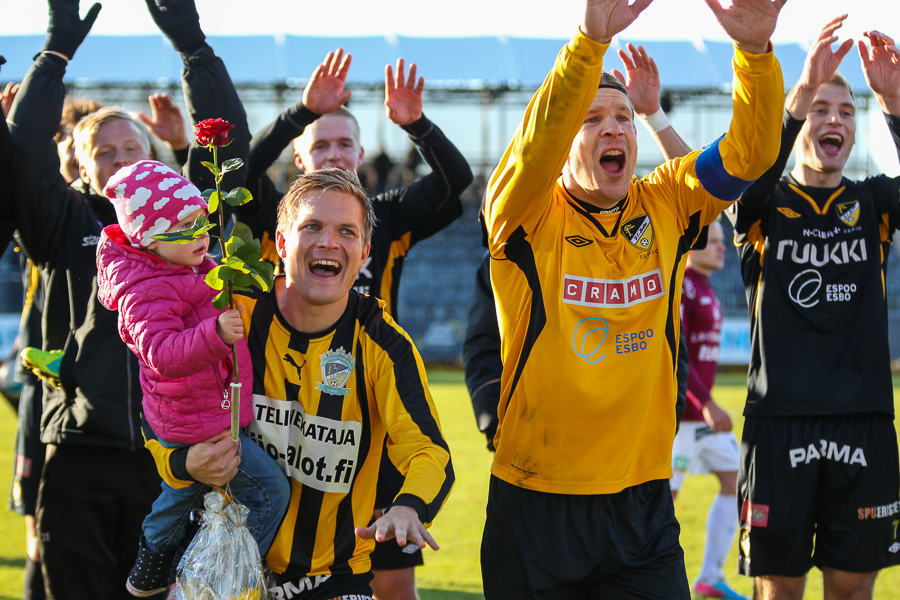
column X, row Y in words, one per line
column 717, row 589
column 150, row 572
column 44, row 364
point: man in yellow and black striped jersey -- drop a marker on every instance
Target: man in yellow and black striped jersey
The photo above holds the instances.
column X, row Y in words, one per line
column 332, row 375
column 587, row 273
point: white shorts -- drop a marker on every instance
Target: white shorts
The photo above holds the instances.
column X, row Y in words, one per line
column 698, row 450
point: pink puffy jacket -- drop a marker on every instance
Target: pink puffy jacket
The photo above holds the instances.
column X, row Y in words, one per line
column 167, row 318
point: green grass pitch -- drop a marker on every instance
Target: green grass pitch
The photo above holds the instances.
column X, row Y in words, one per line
column 453, row 573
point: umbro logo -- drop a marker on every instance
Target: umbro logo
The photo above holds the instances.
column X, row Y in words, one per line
column 894, row 548
column 790, row 214
column 578, row 241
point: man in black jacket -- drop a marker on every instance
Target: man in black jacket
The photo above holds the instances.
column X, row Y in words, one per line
column 98, row 482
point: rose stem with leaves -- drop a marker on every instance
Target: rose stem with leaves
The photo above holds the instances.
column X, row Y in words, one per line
column 235, row 387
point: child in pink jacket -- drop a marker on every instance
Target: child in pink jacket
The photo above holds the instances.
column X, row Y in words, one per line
column 182, row 341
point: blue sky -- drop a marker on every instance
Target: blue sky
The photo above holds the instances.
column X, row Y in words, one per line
column 801, row 20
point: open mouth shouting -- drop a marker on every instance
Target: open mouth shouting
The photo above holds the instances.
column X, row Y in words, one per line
column 831, row 143
column 325, row 268
column 613, row 162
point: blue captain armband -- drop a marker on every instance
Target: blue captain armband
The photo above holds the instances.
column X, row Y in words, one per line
column 713, row 176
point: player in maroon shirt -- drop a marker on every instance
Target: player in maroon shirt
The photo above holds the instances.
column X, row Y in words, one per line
column 705, row 442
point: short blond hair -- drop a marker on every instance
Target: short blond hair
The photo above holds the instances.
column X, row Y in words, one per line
column 340, row 112
column 87, row 129
column 841, row 81
column 325, row 180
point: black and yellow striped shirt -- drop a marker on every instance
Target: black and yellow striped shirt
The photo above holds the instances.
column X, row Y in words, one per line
column 323, row 404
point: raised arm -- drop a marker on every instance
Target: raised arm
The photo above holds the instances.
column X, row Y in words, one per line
column 820, row 64
column 893, row 122
column 754, row 199
column 729, row 166
column 43, row 197
column 208, row 90
column 746, row 152
column 165, row 122
column 528, row 170
column 324, row 93
column 450, row 172
column 642, row 82
column 8, row 212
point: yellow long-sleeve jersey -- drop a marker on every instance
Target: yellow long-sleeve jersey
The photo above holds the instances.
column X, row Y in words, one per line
column 588, row 302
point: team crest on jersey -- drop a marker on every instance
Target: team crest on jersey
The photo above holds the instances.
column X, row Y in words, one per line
column 639, row 232
column 790, row 214
column 337, row 366
column 848, row 212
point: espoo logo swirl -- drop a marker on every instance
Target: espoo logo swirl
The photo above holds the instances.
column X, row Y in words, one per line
column 588, row 337
column 804, row 287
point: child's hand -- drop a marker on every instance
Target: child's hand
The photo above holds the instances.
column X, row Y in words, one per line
column 229, row 325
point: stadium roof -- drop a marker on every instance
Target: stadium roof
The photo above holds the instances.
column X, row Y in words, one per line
column 471, row 62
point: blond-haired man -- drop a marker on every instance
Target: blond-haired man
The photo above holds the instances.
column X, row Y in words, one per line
column 333, row 375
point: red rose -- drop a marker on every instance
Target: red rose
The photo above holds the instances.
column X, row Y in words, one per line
column 213, row 132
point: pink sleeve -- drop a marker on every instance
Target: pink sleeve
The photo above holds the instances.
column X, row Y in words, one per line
column 159, row 336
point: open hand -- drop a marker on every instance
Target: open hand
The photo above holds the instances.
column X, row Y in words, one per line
column 7, row 96
column 324, row 92
column 165, row 121
column 821, row 62
column 402, row 94
column 402, row 523
column 881, row 67
column 641, row 79
column 750, row 23
column 605, row 18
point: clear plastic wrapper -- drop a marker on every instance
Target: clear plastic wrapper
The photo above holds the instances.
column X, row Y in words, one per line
column 222, row 562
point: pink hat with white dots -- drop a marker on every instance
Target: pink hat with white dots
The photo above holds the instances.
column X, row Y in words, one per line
column 149, row 198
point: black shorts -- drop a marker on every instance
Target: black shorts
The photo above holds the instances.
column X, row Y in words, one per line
column 323, row 587
column 91, row 504
column 832, row 479
column 387, row 555
column 560, row 546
